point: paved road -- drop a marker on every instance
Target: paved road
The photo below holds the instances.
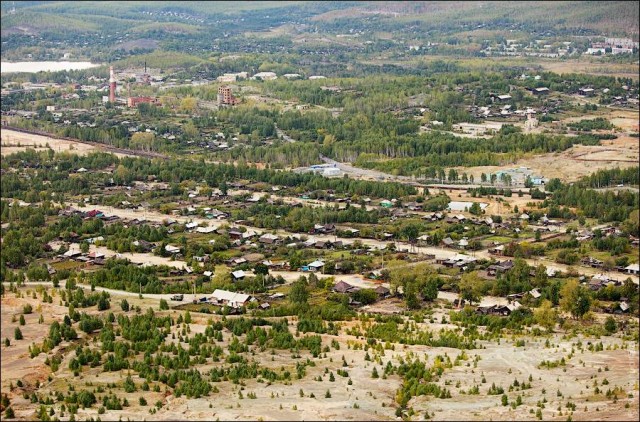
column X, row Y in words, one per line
column 366, row 173
column 370, row 174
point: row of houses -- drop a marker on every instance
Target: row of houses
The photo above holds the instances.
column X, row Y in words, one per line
column 96, row 258
column 633, row 269
column 499, row 310
column 460, row 261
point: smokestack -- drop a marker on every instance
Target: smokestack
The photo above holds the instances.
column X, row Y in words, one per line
column 112, row 85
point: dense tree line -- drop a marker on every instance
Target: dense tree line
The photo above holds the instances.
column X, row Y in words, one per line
column 605, row 206
column 171, row 171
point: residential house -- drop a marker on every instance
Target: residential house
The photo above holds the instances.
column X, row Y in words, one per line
column 423, row 240
column 93, row 240
column 587, row 92
column 592, row 262
column 269, row 239
column 343, row 287
column 539, row 91
column 323, row 229
column 499, row 268
column 414, row 206
column 535, row 293
column 234, row 234
column 352, row 232
column 95, row 255
column 191, row 226
column 232, row 299
column 172, row 249
column 205, row 230
column 238, row 275
column 322, row 244
column 315, row 266
column 144, row 246
column 72, row 253
column 633, row 269
column 501, row 310
column 497, row 250
column 237, row 261
column 383, row 292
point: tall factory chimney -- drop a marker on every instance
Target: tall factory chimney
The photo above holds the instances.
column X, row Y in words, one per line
column 112, row 85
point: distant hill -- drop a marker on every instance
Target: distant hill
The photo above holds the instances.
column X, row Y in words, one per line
column 116, row 30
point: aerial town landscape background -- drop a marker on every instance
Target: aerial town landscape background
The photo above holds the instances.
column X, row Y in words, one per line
column 298, row 210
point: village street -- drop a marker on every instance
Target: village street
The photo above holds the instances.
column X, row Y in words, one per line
column 439, row 252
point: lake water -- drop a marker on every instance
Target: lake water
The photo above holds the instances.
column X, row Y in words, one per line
column 33, row 67
column 461, row 205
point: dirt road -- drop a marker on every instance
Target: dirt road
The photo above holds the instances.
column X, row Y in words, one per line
column 440, row 253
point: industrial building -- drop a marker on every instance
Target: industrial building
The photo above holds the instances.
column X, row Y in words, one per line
column 134, row 101
column 232, row 77
column 265, row 76
column 225, row 96
column 112, row 85
column 477, row 129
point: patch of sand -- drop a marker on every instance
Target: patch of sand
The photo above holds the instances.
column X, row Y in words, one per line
column 575, row 162
column 13, row 142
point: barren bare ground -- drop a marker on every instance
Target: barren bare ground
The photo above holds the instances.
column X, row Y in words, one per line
column 575, row 162
column 17, row 141
column 580, row 160
column 591, row 68
column 375, row 398
column 13, row 141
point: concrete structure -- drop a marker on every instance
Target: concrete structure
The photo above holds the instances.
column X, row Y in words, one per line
column 332, row 172
column 232, row 77
column 265, row 76
column 112, row 85
column 587, row 92
column 621, row 43
column 519, row 176
column 595, row 51
column 477, row 129
column 225, row 96
column 531, row 123
column 134, row 101
column 621, row 50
